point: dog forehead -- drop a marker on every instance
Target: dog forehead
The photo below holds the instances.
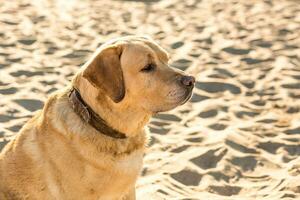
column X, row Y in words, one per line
column 136, row 40
column 136, row 56
column 138, row 48
column 148, row 49
column 158, row 50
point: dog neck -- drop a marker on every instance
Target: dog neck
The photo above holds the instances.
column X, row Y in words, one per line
column 89, row 116
column 122, row 116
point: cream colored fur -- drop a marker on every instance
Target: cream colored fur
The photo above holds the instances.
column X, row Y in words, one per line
column 56, row 155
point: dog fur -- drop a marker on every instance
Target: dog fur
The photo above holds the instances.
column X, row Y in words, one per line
column 56, row 155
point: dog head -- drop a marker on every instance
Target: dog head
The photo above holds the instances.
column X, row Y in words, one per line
column 134, row 70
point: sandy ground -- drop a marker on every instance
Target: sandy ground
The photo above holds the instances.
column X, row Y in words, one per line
column 238, row 137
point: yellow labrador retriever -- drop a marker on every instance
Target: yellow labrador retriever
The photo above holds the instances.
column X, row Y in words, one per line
column 88, row 141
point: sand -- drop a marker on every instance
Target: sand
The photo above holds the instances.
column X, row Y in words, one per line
column 238, row 137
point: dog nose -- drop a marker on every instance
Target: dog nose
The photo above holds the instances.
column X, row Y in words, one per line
column 187, row 81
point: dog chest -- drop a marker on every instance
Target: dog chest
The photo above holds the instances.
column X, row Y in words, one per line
column 131, row 163
column 121, row 177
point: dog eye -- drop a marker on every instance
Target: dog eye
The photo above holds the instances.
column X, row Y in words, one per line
column 148, row 68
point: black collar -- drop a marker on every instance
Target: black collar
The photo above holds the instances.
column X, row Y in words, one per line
column 89, row 116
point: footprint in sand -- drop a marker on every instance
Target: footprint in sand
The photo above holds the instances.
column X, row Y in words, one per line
column 187, row 177
column 209, row 159
column 10, row 90
column 30, row 104
column 214, row 87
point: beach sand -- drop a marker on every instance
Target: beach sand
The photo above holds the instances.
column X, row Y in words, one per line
column 239, row 135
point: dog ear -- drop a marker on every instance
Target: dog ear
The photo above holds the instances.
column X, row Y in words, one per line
column 104, row 71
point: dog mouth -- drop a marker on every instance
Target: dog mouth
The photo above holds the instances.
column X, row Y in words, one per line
column 178, row 98
column 187, row 96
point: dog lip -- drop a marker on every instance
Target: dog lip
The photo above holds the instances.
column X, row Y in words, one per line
column 187, row 96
